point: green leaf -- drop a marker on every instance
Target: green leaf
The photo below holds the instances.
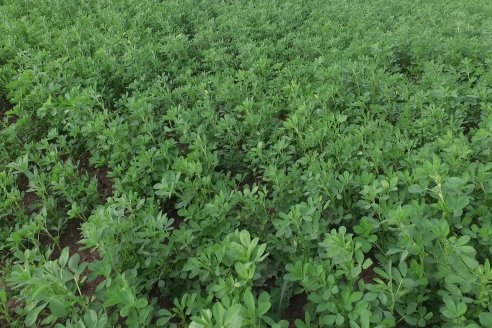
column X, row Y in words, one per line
column 264, row 304
column 449, row 314
column 367, row 263
column 461, row 309
column 403, row 267
column 323, row 307
column 263, row 308
column 57, row 307
column 164, row 312
column 364, row 315
column 249, row 301
column 33, row 315
column 3, row 297
column 340, row 320
column 485, row 319
column 329, row 320
column 359, row 257
column 39, row 293
column 416, row 189
column 64, row 257
column 354, row 297
column 219, row 313
column 470, row 262
column 463, row 240
column 411, row 320
column 162, row 321
column 90, row 318
column 142, row 302
column 232, row 316
column 73, row 263
column 260, row 251
column 245, row 238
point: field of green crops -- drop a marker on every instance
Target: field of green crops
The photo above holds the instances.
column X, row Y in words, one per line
column 236, row 163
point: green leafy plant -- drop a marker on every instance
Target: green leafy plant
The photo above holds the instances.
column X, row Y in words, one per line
column 245, row 164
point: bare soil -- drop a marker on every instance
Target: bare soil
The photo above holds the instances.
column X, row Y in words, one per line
column 5, row 106
column 30, row 197
column 104, row 183
column 295, row 310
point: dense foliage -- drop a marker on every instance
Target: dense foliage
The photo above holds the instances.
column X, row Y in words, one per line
column 266, row 163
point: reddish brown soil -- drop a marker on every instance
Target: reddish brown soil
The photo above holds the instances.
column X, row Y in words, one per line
column 30, row 198
column 169, row 208
column 70, row 238
column 89, row 287
column 249, row 181
column 104, row 183
column 269, row 284
column 162, row 301
column 368, row 275
column 5, row 106
column 71, row 235
column 13, row 304
column 183, row 148
column 295, row 310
